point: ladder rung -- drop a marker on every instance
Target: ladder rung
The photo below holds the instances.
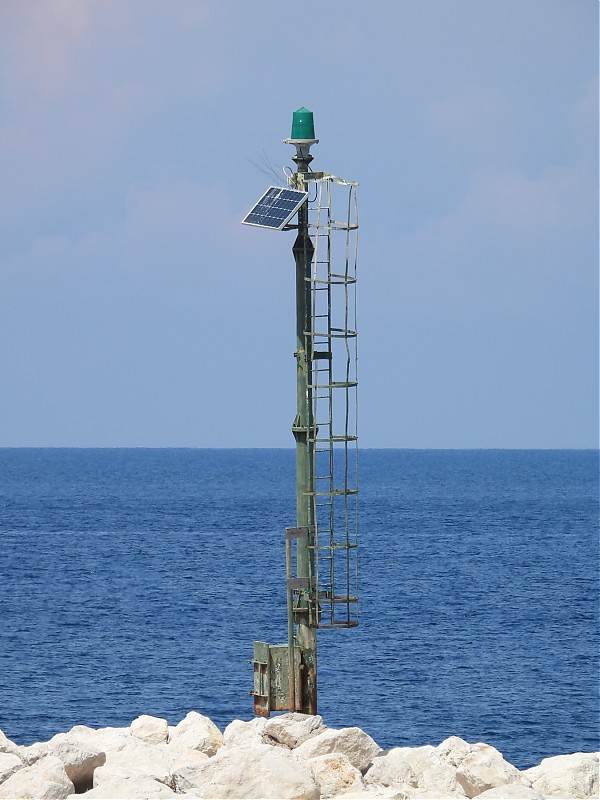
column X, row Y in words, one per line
column 337, row 438
column 337, row 333
column 333, row 493
column 338, row 600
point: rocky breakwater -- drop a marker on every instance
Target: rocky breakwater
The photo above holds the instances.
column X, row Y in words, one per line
column 292, row 756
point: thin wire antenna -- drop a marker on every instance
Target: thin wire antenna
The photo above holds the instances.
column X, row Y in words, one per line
column 267, row 168
column 264, row 171
column 275, row 171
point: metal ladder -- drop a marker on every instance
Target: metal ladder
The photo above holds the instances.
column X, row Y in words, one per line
column 332, row 345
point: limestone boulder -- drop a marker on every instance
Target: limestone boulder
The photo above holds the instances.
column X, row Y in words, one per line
column 252, row 772
column 485, row 768
column 335, row 775
column 180, row 757
column 32, row 753
column 101, row 740
column 152, row 730
column 128, row 788
column 414, row 770
column 44, row 780
column 432, row 773
column 137, row 759
column 294, row 728
column 244, row 734
column 512, row 791
column 7, row 746
column 198, row 732
column 391, row 769
column 9, row 764
column 354, row 743
column 79, row 753
column 479, row 767
column 574, row 775
column 454, row 750
column 374, row 794
column 79, row 759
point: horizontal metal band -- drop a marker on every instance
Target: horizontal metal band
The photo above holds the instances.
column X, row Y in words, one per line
column 297, row 533
column 299, row 583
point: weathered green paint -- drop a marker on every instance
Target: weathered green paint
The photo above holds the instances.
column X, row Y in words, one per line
column 274, row 681
column 285, row 676
column 262, row 690
column 303, row 250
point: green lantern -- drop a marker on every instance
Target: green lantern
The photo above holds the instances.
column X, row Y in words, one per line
column 303, row 126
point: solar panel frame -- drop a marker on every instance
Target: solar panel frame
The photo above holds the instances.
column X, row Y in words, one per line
column 275, row 208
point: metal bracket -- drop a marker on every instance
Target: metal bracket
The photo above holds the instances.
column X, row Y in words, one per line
column 298, row 533
column 301, row 583
column 273, row 679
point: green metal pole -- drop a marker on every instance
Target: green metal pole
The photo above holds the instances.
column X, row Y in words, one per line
column 290, row 619
column 303, row 432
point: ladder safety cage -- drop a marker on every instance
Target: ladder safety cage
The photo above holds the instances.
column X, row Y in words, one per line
column 332, row 401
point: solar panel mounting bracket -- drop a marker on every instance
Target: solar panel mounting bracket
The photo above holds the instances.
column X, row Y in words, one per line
column 276, row 208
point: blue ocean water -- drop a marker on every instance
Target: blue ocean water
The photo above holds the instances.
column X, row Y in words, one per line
column 135, row 581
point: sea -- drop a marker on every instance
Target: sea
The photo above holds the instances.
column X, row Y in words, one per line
column 134, row 581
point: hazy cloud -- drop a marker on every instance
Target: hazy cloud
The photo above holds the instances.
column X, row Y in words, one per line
column 125, row 129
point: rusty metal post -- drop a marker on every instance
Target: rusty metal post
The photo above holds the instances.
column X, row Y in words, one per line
column 303, row 250
column 290, row 621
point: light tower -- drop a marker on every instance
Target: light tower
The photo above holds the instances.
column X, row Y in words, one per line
column 321, row 549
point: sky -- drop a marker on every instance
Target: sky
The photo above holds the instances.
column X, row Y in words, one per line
column 136, row 310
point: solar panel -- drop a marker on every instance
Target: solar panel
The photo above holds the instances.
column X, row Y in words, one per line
column 275, row 208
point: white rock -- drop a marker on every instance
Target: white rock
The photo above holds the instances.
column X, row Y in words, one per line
column 109, row 773
column 152, row 730
column 335, row 775
column 197, row 732
column 484, row 768
column 257, row 772
column 574, row 775
column 373, row 794
column 432, row 773
column 244, row 734
column 414, row 770
column 512, row 791
column 9, row 764
column 453, row 750
column 99, row 739
column 135, row 758
column 354, row 743
column 32, row 753
column 369, row 794
column 78, row 758
column 78, row 750
column 7, row 746
column 182, row 756
column 295, row 728
column 391, row 770
column 128, row 788
column 480, row 767
column 44, row 780
column 139, row 759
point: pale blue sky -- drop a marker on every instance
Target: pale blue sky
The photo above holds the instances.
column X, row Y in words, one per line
column 136, row 310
